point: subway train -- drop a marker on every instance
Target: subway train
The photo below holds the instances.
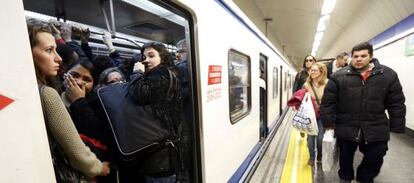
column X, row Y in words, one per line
column 233, row 116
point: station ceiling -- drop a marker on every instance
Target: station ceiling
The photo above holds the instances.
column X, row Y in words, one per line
column 292, row 25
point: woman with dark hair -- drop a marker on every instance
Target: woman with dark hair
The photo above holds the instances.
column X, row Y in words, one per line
column 86, row 111
column 304, row 73
column 63, row 137
column 159, row 88
column 301, row 76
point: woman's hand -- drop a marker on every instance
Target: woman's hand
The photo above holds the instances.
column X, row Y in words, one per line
column 139, row 67
column 84, row 35
column 73, row 90
column 105, row 168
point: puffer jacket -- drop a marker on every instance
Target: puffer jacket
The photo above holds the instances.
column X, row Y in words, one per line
column 356, row 108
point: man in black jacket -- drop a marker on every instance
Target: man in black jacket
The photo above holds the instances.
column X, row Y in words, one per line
column 354, row 104
column 338, row 63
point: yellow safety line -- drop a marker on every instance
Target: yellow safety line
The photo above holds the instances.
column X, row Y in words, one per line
column 297, row 160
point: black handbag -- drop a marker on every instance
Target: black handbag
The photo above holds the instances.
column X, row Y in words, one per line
column 64, row 172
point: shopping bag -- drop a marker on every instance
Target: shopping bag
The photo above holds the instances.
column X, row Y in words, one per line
column 328, row 150
column 305, row 120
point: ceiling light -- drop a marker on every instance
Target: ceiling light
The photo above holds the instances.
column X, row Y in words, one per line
column 316, row 44
column 323, row 22
column 328, row 6
column 318, row 36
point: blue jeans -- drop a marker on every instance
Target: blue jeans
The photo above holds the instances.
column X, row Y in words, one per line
column 311, row 142
column 170, row 179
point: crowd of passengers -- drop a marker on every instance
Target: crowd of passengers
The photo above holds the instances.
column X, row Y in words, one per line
column 69, row 74
column 350, row 98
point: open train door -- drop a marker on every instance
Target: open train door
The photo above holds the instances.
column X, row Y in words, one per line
column 281, row 92
column 263, row 97
column 25, row 155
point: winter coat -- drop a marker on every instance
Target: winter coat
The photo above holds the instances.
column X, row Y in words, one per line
column 91, row 123
column 160, row 88
column 300, row 80
column 356, row 108
column 329, row 69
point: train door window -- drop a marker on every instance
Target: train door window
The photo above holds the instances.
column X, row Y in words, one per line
column 285, row 81
column 130, row 22
column 263, row 97
column 275, row 82
column 289, row 81
column 239, row 85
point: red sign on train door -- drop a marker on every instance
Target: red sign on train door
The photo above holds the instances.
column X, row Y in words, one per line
column 5, row 101
column 214, row 74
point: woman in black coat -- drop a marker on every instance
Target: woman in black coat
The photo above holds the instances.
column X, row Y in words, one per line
column 86, row 111
column 159, row 87
column 303, row 74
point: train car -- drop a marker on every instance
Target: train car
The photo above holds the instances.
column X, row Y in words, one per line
column 232, row 113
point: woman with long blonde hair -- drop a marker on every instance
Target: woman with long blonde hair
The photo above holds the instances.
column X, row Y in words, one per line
column 315, row 85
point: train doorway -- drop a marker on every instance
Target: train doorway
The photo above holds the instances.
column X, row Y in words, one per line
column 263, row 97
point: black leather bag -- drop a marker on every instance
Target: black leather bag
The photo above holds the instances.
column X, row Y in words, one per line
column 64, row 172
column 136, row 131
column 159, row 163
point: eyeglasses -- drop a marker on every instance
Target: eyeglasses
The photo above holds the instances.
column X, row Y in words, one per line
column 309, row 60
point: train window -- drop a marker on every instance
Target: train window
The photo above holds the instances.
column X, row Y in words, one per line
column 289, row 82
column 130, row 22
column 275, row 82
column 285, row 79
column 239, row 85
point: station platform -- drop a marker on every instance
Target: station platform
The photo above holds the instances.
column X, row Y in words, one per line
column 286, row 160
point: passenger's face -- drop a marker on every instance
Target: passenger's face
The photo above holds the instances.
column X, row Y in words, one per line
column 181, row 55
column 82, row 76
column 45, row 56
column 309, row 61
column 361, row 59
column 341, row 62
column 314, row 72
column 114, row 77
column 151, row 58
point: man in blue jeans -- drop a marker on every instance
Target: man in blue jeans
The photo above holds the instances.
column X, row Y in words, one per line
column 354, row 104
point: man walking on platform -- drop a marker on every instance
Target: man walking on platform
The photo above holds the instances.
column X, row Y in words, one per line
column 354, row 104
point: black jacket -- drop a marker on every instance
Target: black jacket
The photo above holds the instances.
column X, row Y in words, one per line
column 329, row 69
column 90, row 120
column 356, row 108
column 300, row 79
column 160, row 88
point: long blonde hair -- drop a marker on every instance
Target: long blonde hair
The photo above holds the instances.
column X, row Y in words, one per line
column 324, row 74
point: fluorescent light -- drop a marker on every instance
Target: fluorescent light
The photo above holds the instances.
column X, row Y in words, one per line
column 328, row 6
column 157, row 10
column 323, row 22
column 314, row 51
column 316, row 44
column 318, row 36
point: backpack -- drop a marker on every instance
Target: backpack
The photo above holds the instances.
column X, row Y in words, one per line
column 137, row 132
